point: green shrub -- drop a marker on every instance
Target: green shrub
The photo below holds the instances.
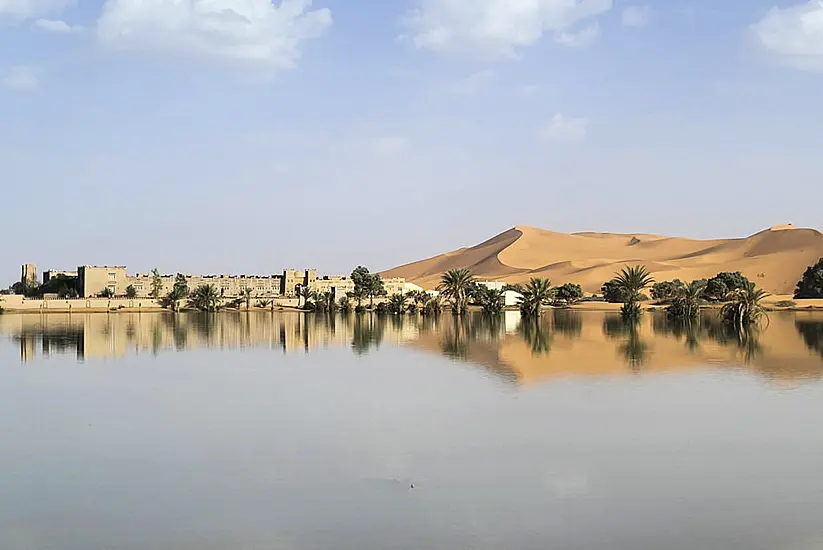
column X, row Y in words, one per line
column 811, row 285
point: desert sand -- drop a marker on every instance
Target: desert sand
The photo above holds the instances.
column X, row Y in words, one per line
column 774, row 259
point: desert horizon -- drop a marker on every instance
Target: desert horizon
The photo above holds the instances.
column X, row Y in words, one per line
column 774, row 258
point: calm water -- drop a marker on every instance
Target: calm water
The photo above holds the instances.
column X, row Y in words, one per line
column 285, row 431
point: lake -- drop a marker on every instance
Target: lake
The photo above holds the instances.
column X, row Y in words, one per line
column 259, row 431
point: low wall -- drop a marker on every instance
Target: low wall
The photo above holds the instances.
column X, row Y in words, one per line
column 33, row 305
column 19, row 303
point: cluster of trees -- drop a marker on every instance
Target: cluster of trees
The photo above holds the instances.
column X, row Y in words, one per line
column 811, row 284
column 743, row 301
column 61, row 285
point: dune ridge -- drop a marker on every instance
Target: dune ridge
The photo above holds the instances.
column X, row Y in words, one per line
column 774, row 258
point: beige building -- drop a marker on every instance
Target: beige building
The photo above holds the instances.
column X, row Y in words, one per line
column 52, row 273
column 93, row 280
column 339, row 286
column 293, row 280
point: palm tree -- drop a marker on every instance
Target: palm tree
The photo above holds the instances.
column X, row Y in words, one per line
column 246, row 294
column 205, row 298
column 432, row 304
column 307, row 294
column 344, row 305
column 687, row 301
column 397, row 304
column 632, row 281
column 455, row 285
column 358, row 294
column 744, row 308
column 534, row 295
column 491, row 300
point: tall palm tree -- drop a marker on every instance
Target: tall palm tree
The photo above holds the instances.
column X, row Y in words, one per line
column 632, row 281
column 534, row 295
column 686, row 303
column 432, row 304
column 397, row 304
column 492, row 300
column 306, row 294
column 744, row 308
column 455, row 285
column 246, row 294
column 205, row 298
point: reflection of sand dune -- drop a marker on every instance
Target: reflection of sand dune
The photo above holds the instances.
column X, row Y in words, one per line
column 775, row 258
column 596, row 346
column 564, row 344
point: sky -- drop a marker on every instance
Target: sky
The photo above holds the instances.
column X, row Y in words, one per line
column 249, row 136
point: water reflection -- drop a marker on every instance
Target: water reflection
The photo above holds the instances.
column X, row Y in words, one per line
column 559, row 343
column 811, row 330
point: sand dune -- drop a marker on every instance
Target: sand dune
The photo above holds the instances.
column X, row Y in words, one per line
column 774, row 258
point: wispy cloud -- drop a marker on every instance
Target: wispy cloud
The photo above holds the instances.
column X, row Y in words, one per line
column 565, row 129
column 528, row 90
column 22, row 78
column 29, row 9
column 794, row 34
column 494, row 29
column 579, row 39
column 636, row 16
column 57, row 26
column 255, row 31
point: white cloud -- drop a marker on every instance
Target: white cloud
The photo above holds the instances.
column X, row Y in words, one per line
column 29, row 9
column 636, row 16
column 493, row 29
column 579, row 39
column 57, row 26
column 246, row 30
column 472, row 83
column 794, row 33
column 561, row 128
column 22, row 78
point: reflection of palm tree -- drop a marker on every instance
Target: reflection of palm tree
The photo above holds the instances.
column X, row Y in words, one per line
column 536, row 334
column 634, row 349
column 747, row 340
column 455, row 341
column 614, row 327
column 679, row 328
column 367, row 332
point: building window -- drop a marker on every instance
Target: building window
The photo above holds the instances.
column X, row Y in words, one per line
column 112, row 276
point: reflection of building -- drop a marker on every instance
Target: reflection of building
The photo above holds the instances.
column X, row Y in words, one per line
column 101, row 336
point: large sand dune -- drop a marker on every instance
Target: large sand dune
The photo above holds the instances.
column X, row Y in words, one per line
column 775, row 258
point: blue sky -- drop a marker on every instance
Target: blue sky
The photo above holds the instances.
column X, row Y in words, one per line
column 240, row 135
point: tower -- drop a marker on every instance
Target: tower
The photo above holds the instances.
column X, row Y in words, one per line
column 28, row 275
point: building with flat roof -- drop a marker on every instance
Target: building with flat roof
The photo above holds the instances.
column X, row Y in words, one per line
column 95, row 280
column 50, row 274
